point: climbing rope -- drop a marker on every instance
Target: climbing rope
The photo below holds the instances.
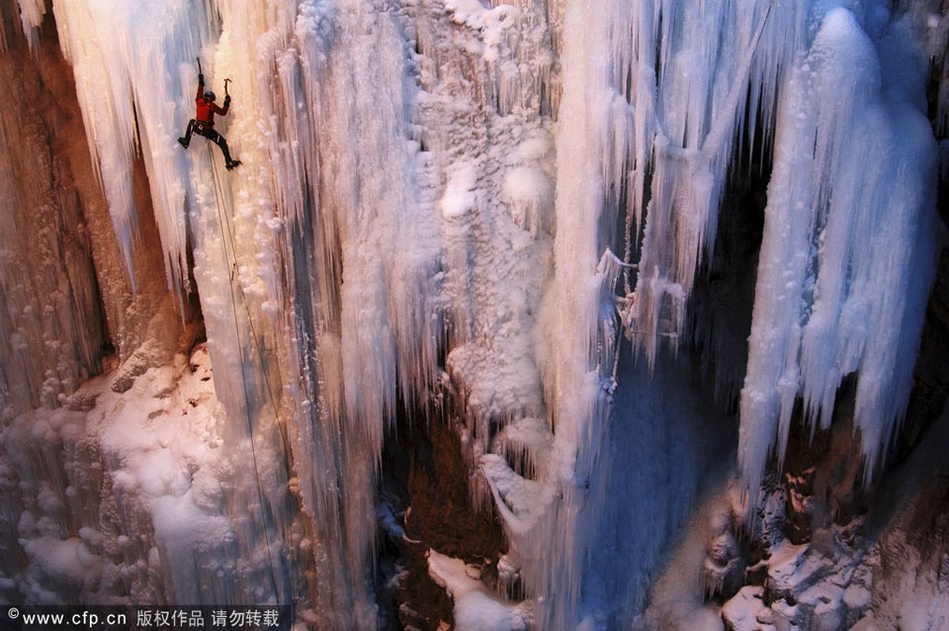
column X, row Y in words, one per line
column 227, row 239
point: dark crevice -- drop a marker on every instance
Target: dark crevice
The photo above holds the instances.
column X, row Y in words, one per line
column 425, row 485
column 720, row 307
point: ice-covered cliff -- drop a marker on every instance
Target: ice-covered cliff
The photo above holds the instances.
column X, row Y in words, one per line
column 613, row 247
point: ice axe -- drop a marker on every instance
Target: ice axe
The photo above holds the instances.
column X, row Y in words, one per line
column 226, row 81
column 198, row 59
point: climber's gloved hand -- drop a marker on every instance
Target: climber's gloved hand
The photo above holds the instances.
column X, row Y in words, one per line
column 227, row 100
column 200, row 78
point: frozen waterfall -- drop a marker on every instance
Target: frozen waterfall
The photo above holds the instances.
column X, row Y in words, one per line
column 424, row 223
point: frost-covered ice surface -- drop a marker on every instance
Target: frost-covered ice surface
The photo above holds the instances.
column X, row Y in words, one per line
column 428, row 182
column 155, row 487
column 476, row 607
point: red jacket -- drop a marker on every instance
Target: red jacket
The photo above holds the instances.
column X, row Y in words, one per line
column 207, row 109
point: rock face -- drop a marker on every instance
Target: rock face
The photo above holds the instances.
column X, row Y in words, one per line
column 932, row 369
column 51, row 296
column 60, row 256
column 884, row 568
column 724, row 567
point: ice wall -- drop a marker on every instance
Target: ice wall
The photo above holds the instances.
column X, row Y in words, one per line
column 359, row 256
column 690, row 74
column 426, row 195
column 680, row 90
column 846, row 261
column 271, row 294
column 658, row 98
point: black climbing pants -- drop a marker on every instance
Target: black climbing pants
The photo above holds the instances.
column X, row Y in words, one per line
column 208, row 132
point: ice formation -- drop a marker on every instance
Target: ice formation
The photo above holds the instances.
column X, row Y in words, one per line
column 476, row 607
column 848, row 218
column 427, row 193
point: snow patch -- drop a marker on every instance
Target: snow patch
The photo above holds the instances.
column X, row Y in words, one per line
column 476, row 608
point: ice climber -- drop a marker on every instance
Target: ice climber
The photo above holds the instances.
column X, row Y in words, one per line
column 203, row 123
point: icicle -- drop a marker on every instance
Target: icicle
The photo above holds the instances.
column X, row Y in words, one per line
column 363, row 314
column 846, row 260
column 32, row 13
column 110, row 45
column 556, row 550
column 688, row 115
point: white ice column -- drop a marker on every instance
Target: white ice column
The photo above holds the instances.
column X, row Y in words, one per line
column 846, row 259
